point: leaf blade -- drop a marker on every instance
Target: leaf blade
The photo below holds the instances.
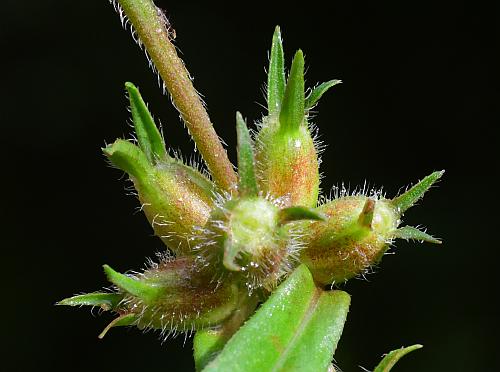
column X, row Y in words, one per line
column 297, row 213
column 293, row 319
column 325, row 338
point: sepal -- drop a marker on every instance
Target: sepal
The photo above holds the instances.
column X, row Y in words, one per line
column 292, row 108
column 105, row 301
column 276, row 74
column 148, row 135
column 406, row 200
column 121, row 321
column 393, row 357
column 247, row 185
column 147, row 292
column 317, row 92
column 412, row 233
column 292, row 214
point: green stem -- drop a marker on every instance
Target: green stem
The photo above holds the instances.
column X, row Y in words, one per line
column 153, row 33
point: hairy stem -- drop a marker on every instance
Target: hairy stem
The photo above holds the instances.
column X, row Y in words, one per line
column 150, row 25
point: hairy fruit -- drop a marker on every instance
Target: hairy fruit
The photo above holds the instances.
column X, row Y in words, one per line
column 358, row 231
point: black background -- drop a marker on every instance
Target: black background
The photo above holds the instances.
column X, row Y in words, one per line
column 418, row 95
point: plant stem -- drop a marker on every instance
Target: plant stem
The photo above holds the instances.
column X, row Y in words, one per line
column 149, row 24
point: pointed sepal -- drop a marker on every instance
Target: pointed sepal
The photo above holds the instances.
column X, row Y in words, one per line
column 297, row 213
column 246, row 163
column 317, row 92
column 292, row 108
column 148, row 135
column 121, row 321
column 276, row 74
column 129, row 158
column 105, row 301
column 406, row 200
column 366, row 216
column 392, row 358
column 145, row 291
column 412, row 233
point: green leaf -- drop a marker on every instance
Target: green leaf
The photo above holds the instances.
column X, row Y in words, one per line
column 148, row 135
column 246, row 163
column 412, row 233
column 121, row 321
column 147, row 292
column 296, row 329
column 411, row 196
column 318, row 92
column 299, row 213
column 292, row 109
column 106, row 301
column 276, row 74
column 392, row 358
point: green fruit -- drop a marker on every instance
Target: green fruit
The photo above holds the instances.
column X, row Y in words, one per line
column 287, row 160
column 358, row 231
column 355, row 236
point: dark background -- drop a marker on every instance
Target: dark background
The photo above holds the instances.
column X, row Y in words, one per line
column 418, row 95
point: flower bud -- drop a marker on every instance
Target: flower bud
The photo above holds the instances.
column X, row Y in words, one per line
column 358, row 232
column 174, row 196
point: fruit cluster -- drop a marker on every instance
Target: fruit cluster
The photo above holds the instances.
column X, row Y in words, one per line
column 229, row 246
